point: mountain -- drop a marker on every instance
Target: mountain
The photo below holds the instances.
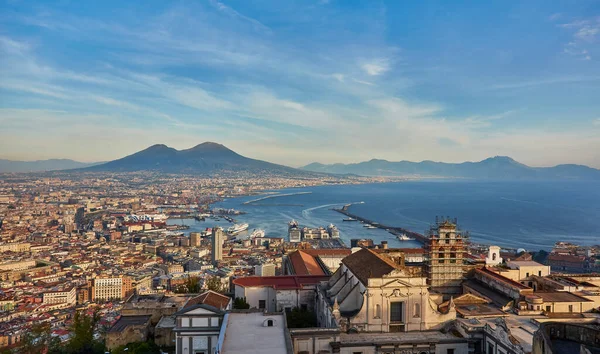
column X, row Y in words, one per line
column 204, row 158
column 41, row 165
column 499, row 167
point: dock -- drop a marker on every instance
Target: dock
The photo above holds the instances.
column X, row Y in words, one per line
column 394, row 230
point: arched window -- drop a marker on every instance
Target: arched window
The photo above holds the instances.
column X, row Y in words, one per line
column 377, row 311
column 493, row 256
column 417, row 310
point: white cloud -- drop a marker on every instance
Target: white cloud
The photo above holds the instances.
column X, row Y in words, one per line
column 596, row 122
column 376, row 67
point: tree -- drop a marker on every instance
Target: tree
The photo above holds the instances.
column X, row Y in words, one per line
column 138, row 348
column 214, row 283
column 301, row 318
column 239, row 303
column 82, row 331
column 540, row 256
column 193, row 284
column 39, row 339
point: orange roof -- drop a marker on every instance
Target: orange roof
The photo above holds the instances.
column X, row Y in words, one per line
column 210, row 298
column 305, row 264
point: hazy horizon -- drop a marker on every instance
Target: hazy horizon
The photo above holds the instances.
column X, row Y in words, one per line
column 300, row 82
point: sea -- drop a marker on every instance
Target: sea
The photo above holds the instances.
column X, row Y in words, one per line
column 521, row 214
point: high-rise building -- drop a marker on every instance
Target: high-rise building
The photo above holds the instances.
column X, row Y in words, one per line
column 195, row 239
column 111, row 288
column 446, row 252
column 217, row 244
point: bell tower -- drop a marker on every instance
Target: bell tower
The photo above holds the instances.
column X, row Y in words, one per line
column 446, row 250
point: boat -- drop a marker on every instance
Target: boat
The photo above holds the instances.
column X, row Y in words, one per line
column 403, row 237
column 237, row 228
column 367, row 225
column 349, row 219
column 257, row 233
column 333, row 231
column 371, row 227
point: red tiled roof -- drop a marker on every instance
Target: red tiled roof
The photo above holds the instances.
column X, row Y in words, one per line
column 210, row 298
column 305, row 264
column 501, row 278
column 280, row 282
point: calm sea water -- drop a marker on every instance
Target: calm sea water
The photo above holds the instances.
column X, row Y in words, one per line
column 531, row 215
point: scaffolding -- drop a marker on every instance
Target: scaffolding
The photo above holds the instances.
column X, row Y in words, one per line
column 446, row 252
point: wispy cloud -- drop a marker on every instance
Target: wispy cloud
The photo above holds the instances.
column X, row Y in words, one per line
column 376, row 67
column 585, row 32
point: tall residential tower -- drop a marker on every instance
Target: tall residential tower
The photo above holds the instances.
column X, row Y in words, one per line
column 217, row 244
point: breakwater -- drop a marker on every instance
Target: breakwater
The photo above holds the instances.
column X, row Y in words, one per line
column 394, row 230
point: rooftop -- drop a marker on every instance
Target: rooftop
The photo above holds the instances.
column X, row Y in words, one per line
column 281, row 282
column 126, row 321
column 247, row 333
column 559, row 296
column 305, row 264
column 366, row 264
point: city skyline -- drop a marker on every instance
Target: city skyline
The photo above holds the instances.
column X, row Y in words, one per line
column 295, row 83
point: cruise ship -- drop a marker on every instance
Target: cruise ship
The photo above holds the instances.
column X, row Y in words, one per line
column 237, row 228
column 257, row 233
column 403, row 237
column 333, row 231
column 146, row 217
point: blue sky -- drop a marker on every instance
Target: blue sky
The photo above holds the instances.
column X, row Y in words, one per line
column 294, row 82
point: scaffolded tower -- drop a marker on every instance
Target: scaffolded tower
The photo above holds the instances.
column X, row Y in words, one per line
column 446, row 251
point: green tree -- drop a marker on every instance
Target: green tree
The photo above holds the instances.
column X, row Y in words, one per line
column 138, row 348
column 82, row 335
column 299, row 318
column 214, row 283
column 39, row 339
column 240, row 303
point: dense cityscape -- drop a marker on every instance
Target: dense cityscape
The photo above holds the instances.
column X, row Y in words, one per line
column 299, row 177
column 102, row 246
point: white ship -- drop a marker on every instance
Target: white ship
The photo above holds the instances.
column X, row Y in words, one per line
column 146, row 217
column 237, row 228
column 333, row 231
column 403, row 237
column 257, row 233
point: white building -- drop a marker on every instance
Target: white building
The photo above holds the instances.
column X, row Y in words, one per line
column 493, row 258
column 67, row 296
column 253, row 333
column 279, row 293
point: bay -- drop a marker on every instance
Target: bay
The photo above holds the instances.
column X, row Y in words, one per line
column 530, row 215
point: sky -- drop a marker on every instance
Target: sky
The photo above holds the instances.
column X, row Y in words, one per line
column 295, row 82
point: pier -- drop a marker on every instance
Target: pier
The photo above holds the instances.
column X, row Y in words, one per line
column 394, row 230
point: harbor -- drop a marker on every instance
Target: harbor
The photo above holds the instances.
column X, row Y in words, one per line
column 394, row 230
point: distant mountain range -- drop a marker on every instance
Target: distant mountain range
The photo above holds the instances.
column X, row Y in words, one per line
column 41, row 165
column 204, row 158
column 499, row 167
column 215, row 158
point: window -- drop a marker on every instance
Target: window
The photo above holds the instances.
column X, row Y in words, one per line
column 396, row 312
column 377, row 311
column 490, row 348
column 527, row 275
column 570, row 308
column 417, row 310
column 493, row 256
column 540, row 273
column 548, row 308
column 262, row 304
column 269, row 323
column 450, row 351
column 288, row 310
